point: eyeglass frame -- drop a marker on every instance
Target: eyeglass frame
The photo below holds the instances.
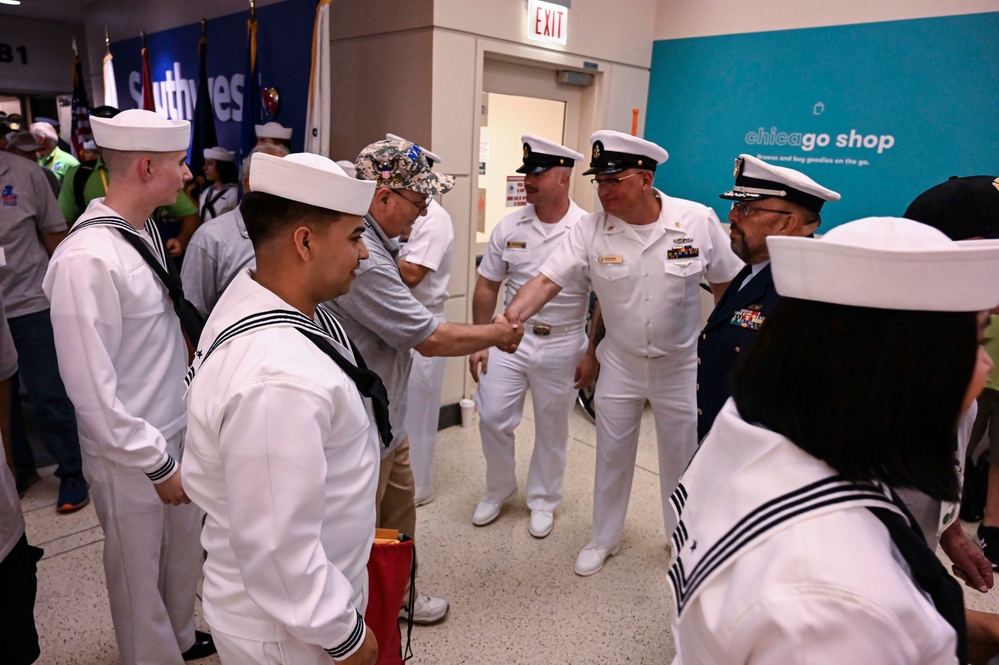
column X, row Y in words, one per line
column 741, row 206
column 611, row 182
column 421, row 209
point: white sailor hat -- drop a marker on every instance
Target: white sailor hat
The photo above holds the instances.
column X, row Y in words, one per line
column 309, row 178
column 613, row 152
column 432, row 158
column 273, row 130
column 756, row 179
column 888, row 263
column 348, row 167
column 541, row 154
column 220, row 154
column 137, row 130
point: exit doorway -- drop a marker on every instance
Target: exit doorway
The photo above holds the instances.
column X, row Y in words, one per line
column 520, row 99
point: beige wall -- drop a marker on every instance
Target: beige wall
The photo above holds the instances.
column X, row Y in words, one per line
column 676, row 19
column 49, row 48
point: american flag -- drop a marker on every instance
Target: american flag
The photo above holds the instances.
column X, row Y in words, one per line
column 80, row 127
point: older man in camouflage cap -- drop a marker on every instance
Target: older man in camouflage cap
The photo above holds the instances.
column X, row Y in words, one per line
column 386, row 322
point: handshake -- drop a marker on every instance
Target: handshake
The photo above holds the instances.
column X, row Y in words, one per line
column 510, row 334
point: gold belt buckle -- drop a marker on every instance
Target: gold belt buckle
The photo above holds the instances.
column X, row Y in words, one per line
column 542, row 331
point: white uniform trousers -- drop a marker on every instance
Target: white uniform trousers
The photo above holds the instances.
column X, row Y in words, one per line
column 423, row 406
column 238, row 651
column 547, row 366
column 152, row 561
column 626, row 382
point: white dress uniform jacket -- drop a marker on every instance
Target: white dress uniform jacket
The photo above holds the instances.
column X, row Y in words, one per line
column 649, row 292
column 517, row 248
column 825, row 586
column 282, row 455
column 122, row 357
column 431, row 245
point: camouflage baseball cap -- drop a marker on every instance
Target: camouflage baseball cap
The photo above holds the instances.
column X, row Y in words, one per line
column 401, row 165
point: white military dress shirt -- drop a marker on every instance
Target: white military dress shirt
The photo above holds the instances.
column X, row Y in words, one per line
column 648, row 287
column 518, row 247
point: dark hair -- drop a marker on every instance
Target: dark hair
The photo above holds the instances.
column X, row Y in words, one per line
column 266, row 216
column 228, row 173
column 874, row 393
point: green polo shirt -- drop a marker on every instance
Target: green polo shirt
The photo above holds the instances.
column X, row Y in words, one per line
column 94, row 189
column 59, row 162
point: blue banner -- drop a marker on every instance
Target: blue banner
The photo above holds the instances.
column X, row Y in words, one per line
column 878, row 112
column 284, row 60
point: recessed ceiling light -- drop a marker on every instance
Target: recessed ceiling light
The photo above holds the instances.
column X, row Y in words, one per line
column 10, row 2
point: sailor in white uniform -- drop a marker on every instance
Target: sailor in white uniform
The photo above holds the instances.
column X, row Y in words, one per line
column 644, row 255
column 274, row 133
column 791, row 547
column 283, row 456
column 547, row 359
column 122, row 357
column 425, row 265
column 221, row 193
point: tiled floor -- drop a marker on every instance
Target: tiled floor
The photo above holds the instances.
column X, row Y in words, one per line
column 514, row 599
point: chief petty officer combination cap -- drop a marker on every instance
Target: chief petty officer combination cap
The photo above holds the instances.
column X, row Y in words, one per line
column 756, row 179
column 541, row 154
column 141, row 131
column 219, row 154
column 888, row 263
column 613, row 152
column 309, row 178
column 963, row 208
column 401, row 165
column 273, row 130
column 431, row 157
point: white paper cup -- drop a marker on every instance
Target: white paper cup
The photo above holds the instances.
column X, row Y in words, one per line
column 467, row 410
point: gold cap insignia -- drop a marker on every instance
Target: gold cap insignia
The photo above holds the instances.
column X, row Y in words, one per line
column 738, row 167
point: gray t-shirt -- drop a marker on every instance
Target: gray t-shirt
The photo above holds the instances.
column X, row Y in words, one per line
column 28, row 208
column 11, row 519
column 218, row 250
column 384, row 321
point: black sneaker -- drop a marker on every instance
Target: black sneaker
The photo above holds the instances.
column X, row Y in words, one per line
column 988, row 540
column 73, row 494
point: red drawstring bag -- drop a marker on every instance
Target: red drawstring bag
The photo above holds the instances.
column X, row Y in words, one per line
column 391, row 569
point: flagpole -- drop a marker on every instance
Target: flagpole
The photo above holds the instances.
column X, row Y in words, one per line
column 110, row 84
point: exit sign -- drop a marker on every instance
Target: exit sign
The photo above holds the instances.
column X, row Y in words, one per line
column 547, row 22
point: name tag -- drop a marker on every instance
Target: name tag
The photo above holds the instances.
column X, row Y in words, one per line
column 615, row 258
column 683, row 253
column 748, row 318
column 514, row 244
column 683, row 241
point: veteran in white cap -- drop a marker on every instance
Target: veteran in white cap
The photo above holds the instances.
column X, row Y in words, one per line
column 221, row 193
column 790, row 540
column 387, row 322
column 273, row 132
column 644, row 255
column 284, row 449
column 767, row 200
column 121, row 351
column 425, row 258
column 548, row 358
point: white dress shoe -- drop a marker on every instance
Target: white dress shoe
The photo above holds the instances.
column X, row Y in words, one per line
column 487, row 511
column 424, row 500
column 591, row 559
column 542, row 522
column 426, row 609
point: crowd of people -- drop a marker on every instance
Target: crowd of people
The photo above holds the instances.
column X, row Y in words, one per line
column 254, row 415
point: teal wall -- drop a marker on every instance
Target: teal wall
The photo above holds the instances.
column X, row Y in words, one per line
column 921, row 97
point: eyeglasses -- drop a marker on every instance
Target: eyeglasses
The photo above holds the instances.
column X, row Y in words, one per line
column 744, row 209
column 421, row 208
column 611, row 182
